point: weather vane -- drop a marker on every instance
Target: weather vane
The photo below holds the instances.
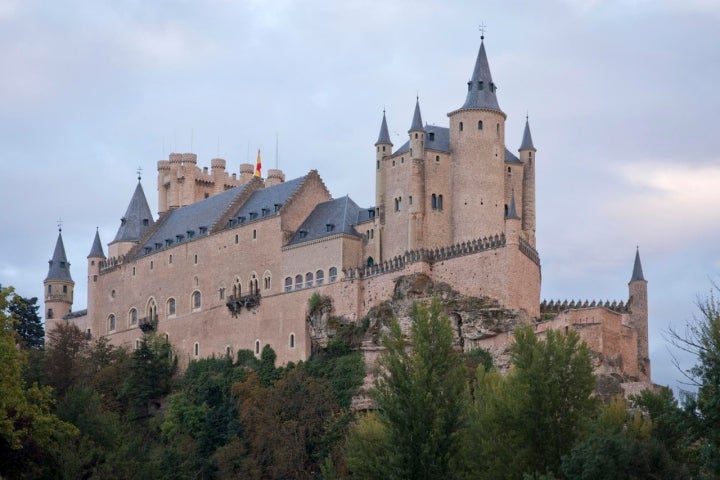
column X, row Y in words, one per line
column 59, row 224
column 482, row 31
column 139, row 172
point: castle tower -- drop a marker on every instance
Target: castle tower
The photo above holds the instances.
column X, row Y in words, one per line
column 513, row 222
column 639, row 315
column 94, row 259
column 383, row 150
column 133, row 225
column 416, row 181
column 477, row 143
column 59, row 286
column 527, row 157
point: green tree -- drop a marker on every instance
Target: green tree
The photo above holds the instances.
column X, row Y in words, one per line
column 27, row 321
column 65, row 357
column 422, row 399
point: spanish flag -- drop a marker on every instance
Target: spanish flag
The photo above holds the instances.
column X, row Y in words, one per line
column 258, row 165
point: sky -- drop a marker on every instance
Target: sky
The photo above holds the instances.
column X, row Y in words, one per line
column 622, row 97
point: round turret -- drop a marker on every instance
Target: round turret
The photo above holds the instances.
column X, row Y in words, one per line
column 175, row 157
column 217, row 164
column 190, row 158
column 274, row 177
column 247, row 171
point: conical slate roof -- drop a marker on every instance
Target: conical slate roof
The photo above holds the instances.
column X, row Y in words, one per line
column 527, row 143
column 97, row 250
column 59, row 266
column 417, row 123
column 137, row 220
column 512, row 211
column 637, row 274
column 481, row 89
column 384, row 137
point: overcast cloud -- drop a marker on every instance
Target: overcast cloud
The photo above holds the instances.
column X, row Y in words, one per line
column 622, row 97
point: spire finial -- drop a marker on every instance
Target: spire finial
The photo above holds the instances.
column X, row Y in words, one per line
column 139, row 173
column 59, row 224
column 482, row 31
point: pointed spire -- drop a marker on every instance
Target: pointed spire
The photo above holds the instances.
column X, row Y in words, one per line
column 137, row 220
column 527, row 143
column 59, row 266
column 97, row 250
column 481, row 88
column 512, row 211
column 637, row 274
column 384, row 137
column 417, row 123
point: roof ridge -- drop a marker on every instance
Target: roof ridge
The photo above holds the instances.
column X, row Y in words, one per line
column 242, row 197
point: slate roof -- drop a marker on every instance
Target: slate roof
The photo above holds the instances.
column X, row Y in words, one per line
column 190, row 218
column 436, row 138
column 637, row 269
column 384, row 136
column 270, row 198
column 138, row 219
column 327, row 219
column 527, row 142
column 365, row 214
column 97, row 250
column 512, row 211
column 511, row 157
column 481, row 89
column 59, row 266
column 417, row 123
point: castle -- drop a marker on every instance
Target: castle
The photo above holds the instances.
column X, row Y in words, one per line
column 231, row 261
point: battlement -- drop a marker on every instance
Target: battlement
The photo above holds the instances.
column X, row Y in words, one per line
column 560, row 306
column 111, row 264
column 426, row 255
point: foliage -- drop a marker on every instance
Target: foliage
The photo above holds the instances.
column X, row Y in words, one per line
column 65, row 363
column 422, row 398
column 27, row 322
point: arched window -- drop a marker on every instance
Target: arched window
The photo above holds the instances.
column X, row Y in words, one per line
column 132, row 316
column 308, row 280
column 319, row 277
column 292, row 340
column 298, row 282
column 254, row 290
column 288, row 284
column 439, row 202
column 151, row 310
column 370, row 262
column 332, row 273
column 196, row 300
column 480, row 124
column 433, row 201
column 461, row 126
column 197, row 349
column 171, row 307
column 49, row 289
column 257, row 347
column 111, row 323
column 64, row 288
column 266, row 280
column 237, row 288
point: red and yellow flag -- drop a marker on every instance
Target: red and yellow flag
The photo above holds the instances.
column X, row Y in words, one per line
column 258, row 165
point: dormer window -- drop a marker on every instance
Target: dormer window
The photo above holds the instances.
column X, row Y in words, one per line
column 265, row 211
column 469, row 86
column 146, row 222
column 62, row 264
column 241, row 219
column 122, row 221
column 168, row 242
column 480, row 85
column 431, row 136
column 302, row 234
column 371, row 212
column 179, row 238
column 329, row 227
column 203, row 230
column 190, row 233
column 253, row 215
column 158, row 245
column 148, row 250
column 277, row 207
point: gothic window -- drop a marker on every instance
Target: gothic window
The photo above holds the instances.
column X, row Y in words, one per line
column 308, row 280
column 171, row 307
column 332, row 273
column 288, row 284
column 266, row 280
column 319, row 277
column 133, row 317
column 196, row 300
column 221, row 292
column 298, row 282
column 151, row 310
column 111, row 323
column 254, row 284
column 237, row 288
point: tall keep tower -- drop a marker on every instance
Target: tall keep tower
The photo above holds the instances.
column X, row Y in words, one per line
column 477, row 142
column 638, row 303
column 527, row 157
column 59, row 286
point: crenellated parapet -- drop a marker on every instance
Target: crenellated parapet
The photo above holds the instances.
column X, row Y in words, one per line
column 399, row 262
column 111, row 264
column 557, row 306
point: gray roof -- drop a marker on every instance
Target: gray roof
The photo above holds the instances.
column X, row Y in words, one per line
column 365, row 215
column 327, row 219
column 137, row 220
column 384, row 137
column 436, row 138
column 417, row 118
column 178, row 222
column 511, row 157
column 527, row 142
column 481, row 89
column 75, row 314
column 59, row 266
column 637, row 274
column 512, row 211
column 267, row 201
column 97, row 250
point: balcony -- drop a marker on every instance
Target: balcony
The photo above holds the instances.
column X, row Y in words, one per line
column 148, row 324
column 235, row 304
